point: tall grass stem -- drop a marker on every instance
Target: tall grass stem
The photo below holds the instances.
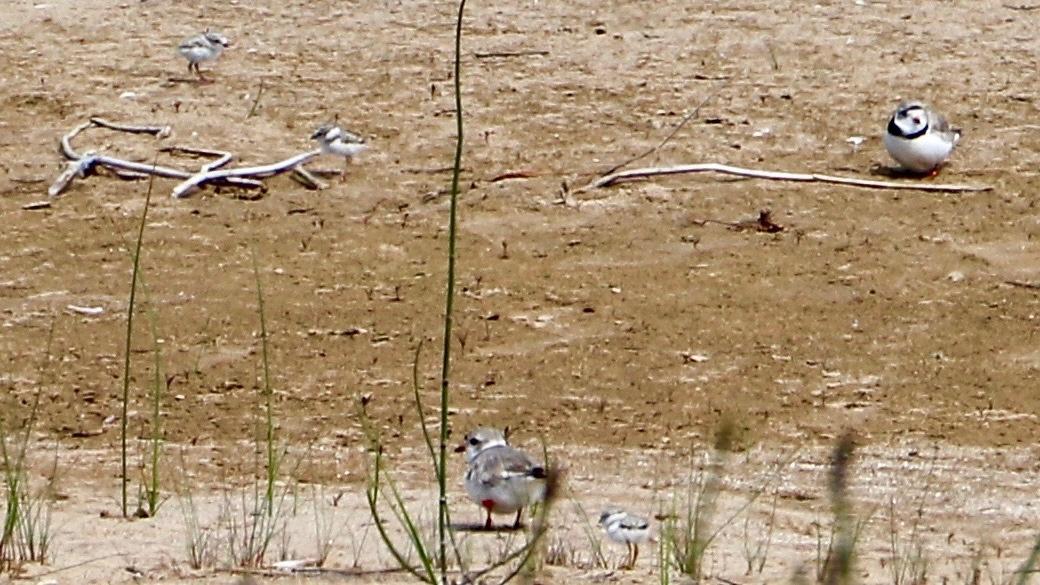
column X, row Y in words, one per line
column 272, row 463
column 449, row 301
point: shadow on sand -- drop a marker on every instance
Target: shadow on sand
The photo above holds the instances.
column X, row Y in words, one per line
column 475, row 527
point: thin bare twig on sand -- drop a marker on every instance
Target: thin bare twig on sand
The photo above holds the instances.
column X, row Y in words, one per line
column 668, row 138
column 256, row 102
column 222, row 157
column 629, row 175
column 503, row 54
column 157, row 131
column 1023, row 284
column 512, row 175
column 763, row 223
column 82, row 164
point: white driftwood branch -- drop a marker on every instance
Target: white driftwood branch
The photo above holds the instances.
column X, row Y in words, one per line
column 76, row 168
column 165, row 172
column 66, row 141
column 307, row 179
column 622, row 176
column 197, row 180
column 129, row 175
column 81, row 165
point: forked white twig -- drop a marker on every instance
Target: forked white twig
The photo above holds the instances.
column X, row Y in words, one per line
column 629, row 175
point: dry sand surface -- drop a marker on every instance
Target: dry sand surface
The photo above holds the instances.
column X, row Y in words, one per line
column 621, row 324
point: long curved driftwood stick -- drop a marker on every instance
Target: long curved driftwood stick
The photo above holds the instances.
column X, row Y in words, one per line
column 629, row 175
column 185, row 188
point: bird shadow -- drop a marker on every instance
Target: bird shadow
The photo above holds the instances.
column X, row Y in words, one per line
column 479, row 527
column 190, row 80
column 897, row 173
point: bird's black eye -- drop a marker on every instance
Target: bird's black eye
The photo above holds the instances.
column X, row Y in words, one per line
column 474, row 441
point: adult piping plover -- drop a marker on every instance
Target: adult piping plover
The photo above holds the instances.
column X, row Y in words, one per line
column 627, row 529
column 919, row 138
column 339, row 142
column 204, row 47
column 500, row 478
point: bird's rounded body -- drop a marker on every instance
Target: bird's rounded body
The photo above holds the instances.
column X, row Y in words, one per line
column 204, row 47
column 198, row 53
column 339, row 142
column 490, row 482
column 503, row 480
column 918, row 138
column 625, row 528
column 346, row 149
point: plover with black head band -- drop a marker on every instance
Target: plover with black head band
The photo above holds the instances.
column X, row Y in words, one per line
column 339, row 142
column 919, row 138
column 627, row 529
column 503, row 480
column 201, row 48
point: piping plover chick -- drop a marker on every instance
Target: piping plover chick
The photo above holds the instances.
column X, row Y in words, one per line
column 500, row 478
column 339, row 142
column 919, row 138
column 627, row 529
column 205, row 47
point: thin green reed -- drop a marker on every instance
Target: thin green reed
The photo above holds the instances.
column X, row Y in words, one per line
column 442, row 507
column 272, row 463
column 152, row 495
column 129, row 333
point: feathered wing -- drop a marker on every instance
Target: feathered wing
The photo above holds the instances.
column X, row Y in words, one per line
column 939, row 124
column 632, row 522
column 350, row 137
column 504, row 463
column 194, row 43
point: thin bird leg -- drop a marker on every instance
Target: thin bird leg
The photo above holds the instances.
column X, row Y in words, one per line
column 516, row 523
column 635, row 555
column 487, row 524
column 195, row 67
column 346, row 165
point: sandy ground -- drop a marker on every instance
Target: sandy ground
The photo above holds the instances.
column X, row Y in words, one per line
column 611, row 321
column 774, row 510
